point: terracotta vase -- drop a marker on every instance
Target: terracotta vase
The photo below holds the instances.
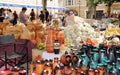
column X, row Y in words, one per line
column 49, row 68
column 75, row 60
column 57, row 71
column 39, row 66
column 62, row 59
column 61, row 37
column 39, row 57
column 101, row 70
column 84, row 68
column 45, row 72
column 15, row 73
column 55, row 62
column 16, row 70
column 96, row 72
column 31, row 68
column 50, row 61
column 68, row 60
column 79, row 70
column 68, row 70
column 50, row 40
column 74, row 72
column 56, row 31
column 91, row 72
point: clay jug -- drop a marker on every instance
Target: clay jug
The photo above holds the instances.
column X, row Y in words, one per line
column 68, row 70
column 55, row 62
column 74, row 71
column 96, row 72
column 101, row 71
column 62, row 59
column 57, row 70
column 61, row 37
column 75, row 60
column 68, row 60
column 39, row 57
column 50, row 40
column 49, row 68
column 91, row 72
column 39, row 66
column 84, row 68
column 79, row 70
column 16, row 70
column 56, row 31
column 62, row 68
column 50, row 61
column 45, row 72
column 84, row 73
column 31, row 67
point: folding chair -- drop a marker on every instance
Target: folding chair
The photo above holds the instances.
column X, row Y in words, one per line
column 11, row 57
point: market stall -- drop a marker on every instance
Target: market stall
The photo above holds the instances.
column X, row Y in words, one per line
column 76, row 48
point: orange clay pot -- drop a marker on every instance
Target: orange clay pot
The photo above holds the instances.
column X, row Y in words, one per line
column 91, row 72
column 50, row 41
column 55, row 63
column 102, row 71
column 39, row 67
column 61, row 37
column 31, row 68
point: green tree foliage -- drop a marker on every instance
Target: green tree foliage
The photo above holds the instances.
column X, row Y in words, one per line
column 91, row 4
column 109, row 4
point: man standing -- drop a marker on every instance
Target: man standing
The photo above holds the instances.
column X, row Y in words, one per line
column 46, row 15
column 15, row 18
column 32, row 15
column 23, row 17
column 41, row 16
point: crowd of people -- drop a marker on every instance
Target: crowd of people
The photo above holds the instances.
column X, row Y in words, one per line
column 45, row 16
column 14, row 17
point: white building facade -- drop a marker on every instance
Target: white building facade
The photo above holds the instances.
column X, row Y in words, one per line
column 50, row 3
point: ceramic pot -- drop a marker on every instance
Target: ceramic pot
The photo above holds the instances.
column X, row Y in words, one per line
column 31, row 67
column 62, row 59
column 49, row 68
column 55, row 62
column 101, row 70
column 39, row 66
column 68, row 70
column 91, row 72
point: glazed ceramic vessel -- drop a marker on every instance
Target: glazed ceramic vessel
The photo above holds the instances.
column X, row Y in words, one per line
column 39, row 66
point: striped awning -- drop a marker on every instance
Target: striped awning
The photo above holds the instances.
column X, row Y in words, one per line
column 30, row 6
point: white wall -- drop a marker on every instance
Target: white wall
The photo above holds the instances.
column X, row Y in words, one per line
column 56, row 3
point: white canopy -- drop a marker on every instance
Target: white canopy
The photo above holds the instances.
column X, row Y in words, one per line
column 30, row 6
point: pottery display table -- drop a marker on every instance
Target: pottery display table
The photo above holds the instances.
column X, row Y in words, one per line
column 47, row 55
column 44, row 54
